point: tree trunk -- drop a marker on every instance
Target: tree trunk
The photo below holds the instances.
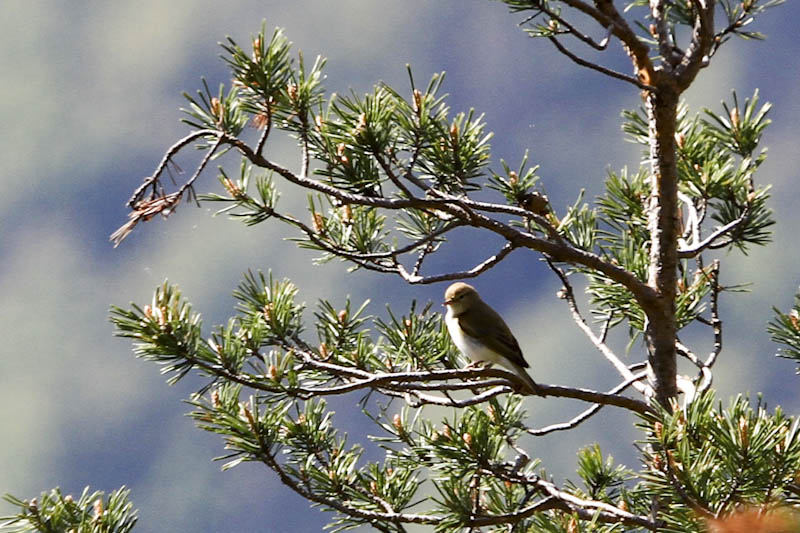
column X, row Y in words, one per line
column 664, row 227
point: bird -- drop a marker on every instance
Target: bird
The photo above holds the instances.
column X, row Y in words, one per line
column 481, row 334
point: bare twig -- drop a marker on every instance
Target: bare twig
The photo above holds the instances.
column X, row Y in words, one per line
column 421, row 257
column 693, row 220
column 700, row 48
column 589, row 395
column 416, row 399
column 604, row 511
column 387, row 169
column 585, row 414
column 572, row 30
column 574, row 393
column 688, row 354
column 171, row 152
column 704, row 378
column 545, row 504
column 164, row 204
column 711, row 240
column 606, row 327
column 305, row 156
column 615, row 361
column 637, row 366
column 606, row 14
column 262, row 140
column 666, row 44
column 190, row 182
column 562, row 500
column 412, row 278
column 599, row 68
column 716, row 323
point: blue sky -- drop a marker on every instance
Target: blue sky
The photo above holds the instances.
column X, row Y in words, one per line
column 89, row 102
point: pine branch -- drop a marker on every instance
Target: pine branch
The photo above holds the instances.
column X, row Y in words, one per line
column 400, row 384
column 461, row 208
column 558, row 249
column 338, row 503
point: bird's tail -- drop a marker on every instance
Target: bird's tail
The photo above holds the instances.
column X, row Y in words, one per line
column 530, row 386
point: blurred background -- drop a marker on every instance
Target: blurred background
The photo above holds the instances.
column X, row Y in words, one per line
column 89, row 103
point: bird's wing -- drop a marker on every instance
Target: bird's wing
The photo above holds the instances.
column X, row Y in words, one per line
column 498, row 338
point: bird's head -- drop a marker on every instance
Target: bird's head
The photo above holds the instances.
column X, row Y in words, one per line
column 460, row 296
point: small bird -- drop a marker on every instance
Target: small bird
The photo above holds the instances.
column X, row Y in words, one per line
column 481, row 334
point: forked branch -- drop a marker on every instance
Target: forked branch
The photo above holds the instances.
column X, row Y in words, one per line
column 461, row 210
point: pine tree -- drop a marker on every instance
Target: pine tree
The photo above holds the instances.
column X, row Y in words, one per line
column 390, row 175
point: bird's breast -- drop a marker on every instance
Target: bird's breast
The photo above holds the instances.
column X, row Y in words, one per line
column 472, row 348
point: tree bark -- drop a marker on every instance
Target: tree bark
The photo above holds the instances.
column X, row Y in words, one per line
column 664, row 227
